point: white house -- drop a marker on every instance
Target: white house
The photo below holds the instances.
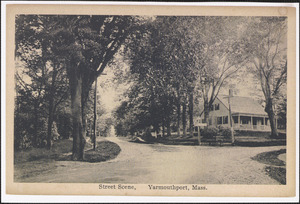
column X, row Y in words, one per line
column 247, row 114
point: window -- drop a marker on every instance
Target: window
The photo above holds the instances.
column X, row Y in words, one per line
column 266, row 121
column 225, row 119
column 211, row 108
column 217, row 106
column 219, row 120
column 235, row 119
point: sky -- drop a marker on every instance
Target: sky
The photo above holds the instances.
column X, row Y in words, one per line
column 110, row 92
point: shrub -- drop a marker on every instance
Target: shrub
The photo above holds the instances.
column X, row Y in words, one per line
column 226, row 132
column 147, row 136
column 210, row 132
column 64, row 125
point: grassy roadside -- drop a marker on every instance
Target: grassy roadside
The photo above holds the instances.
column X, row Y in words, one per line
column 276, row 168
column 35, row 161
column 246, row 141
column 270, row 158
column 105, row 150
column 277, row 173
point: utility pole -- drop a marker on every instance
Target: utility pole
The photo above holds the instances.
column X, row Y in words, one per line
column 95, row 113
column 230, row 117
column 199, row 136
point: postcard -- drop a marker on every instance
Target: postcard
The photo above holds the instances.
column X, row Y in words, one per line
column 151, row 100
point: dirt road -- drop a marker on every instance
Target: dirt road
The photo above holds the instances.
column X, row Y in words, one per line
column 156, row 163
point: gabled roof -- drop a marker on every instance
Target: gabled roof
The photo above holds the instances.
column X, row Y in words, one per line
column 244, row 105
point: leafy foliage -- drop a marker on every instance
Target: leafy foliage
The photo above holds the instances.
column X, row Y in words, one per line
column 210, row 132
column 226, row 132
column 40, row 79
column 174, row 59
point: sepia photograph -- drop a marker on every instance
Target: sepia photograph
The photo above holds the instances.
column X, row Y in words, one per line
column 174, row 102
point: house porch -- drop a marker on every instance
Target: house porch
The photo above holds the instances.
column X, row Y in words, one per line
column 250, row 122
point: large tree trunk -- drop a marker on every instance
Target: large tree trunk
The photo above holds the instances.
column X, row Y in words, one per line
column 163, row 127
column 206, row 112
column 50, row 122
column 270, row 111
column 84, row 98
column 86, row 87
column 184, row 118
column 95, row 116
column 84, row 119
column 35, row 124
column 191, row 113
column 78, row 135
column 51, row 108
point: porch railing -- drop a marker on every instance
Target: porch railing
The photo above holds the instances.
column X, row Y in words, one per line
column 251, row 127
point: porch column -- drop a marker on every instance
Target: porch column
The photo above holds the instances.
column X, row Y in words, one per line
column 263, row 123
column 251, row 122
column 239, row 121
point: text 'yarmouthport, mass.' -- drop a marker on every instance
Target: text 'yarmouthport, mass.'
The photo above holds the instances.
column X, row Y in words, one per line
column 176, row 188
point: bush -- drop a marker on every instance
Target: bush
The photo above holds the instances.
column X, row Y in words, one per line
column 210, row 132
column 226, row 132
column 64, row 125
column 147, row 136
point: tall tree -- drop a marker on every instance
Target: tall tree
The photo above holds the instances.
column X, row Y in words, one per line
column 266, row 44
column 222, row 54
column 43, row 71
column 88, row 44
column 164, row 58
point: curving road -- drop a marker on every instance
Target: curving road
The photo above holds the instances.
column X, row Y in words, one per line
column 157, row 163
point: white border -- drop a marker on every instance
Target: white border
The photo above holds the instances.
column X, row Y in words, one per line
column 156, row 3
column 75, row 199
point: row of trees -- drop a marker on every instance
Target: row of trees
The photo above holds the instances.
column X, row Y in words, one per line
column 173, row 62
column 180, row 60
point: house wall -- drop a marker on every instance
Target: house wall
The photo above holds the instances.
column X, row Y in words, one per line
column 223, row 111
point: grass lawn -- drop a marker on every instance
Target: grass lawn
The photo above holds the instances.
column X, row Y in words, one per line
column 277, row 173
column 35, row 161
column 270, row 158
column 247, row 141
column 176, row 140
column 258, row 141
column 105, row 150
